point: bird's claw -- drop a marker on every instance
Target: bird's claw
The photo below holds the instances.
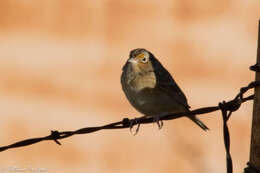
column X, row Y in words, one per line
column 158, row 122
column 132, row 123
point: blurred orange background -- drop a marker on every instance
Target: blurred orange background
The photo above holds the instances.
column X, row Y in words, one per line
column 60, row 65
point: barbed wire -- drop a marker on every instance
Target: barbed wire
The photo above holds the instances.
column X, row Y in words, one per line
column 55, row 135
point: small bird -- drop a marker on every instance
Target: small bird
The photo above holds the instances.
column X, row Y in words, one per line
column 150, row 88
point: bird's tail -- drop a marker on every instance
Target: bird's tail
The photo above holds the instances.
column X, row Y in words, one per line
column 198, row 122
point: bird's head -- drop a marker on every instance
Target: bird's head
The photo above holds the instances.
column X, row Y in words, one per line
column 141, row 60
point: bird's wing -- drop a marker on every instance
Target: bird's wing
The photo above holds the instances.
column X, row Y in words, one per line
column 166, row 83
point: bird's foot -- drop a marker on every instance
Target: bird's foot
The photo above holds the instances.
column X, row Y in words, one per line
column 132, row 123
column 158, row 122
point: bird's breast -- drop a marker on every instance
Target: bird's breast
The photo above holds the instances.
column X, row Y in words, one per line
column 140, row 82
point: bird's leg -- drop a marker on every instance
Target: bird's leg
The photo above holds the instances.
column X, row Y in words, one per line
column 158, row 122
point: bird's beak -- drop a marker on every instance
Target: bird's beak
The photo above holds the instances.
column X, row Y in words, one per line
column 132, row 60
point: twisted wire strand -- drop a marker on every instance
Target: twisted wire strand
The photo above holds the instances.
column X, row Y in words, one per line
column 232, row 105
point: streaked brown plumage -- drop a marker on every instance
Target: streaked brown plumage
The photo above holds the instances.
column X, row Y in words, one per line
column 150, row 88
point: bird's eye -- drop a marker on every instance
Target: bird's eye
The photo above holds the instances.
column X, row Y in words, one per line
column 144, row 60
